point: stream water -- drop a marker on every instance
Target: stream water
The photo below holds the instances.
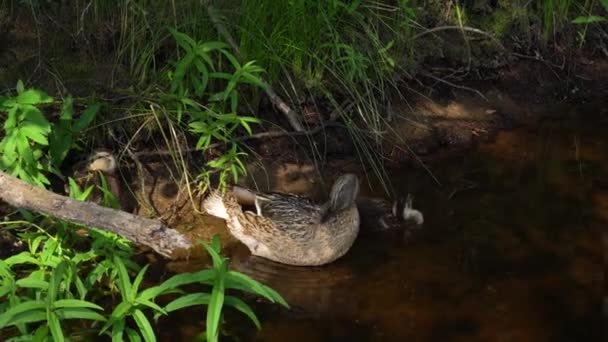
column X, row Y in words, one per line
column 510, row 251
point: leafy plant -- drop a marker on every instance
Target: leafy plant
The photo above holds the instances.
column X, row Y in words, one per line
column 32, row 147
column 196, row 75
column 586, row 20
column 221, row 279
column 52, row 304
column 132, row 305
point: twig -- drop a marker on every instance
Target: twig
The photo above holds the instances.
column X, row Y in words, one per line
column 261, row 135
column 463, row 28
column 289, row 113
column 455, row 85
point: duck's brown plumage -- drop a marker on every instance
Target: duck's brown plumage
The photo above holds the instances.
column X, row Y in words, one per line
column 292, row 229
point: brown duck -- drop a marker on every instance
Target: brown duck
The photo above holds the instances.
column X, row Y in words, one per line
column 292, row 229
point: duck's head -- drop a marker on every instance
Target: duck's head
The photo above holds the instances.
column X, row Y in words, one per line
column 344, row 192
column 102, row 160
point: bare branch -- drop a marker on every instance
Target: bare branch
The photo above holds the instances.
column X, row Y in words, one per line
column 139, row 230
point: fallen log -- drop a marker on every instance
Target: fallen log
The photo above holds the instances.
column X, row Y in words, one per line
column 140, row 230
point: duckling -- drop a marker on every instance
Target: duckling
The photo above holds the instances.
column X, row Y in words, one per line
column 101, row 162
column 378, row 214
column 292, row 229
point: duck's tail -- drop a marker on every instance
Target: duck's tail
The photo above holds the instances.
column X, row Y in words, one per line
column 214, row 205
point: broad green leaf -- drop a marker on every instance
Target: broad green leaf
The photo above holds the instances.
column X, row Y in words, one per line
column 34, row 133
column 35, row 116
column 33, row 96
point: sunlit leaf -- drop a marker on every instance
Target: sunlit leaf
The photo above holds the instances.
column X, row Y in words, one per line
column 33, row 97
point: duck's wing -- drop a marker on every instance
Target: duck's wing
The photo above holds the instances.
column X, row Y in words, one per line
column 287, row 210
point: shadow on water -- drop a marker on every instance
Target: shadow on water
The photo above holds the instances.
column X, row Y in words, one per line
column 510, row 251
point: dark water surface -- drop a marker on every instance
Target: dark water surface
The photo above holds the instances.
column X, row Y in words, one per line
column 510, row 251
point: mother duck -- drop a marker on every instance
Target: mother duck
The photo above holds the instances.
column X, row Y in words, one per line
column 291, row 229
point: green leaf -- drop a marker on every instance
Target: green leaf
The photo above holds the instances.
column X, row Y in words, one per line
column 193, row 299
column 181, row 69
column 203, row 276
column 79, row 313
column 151, row 305
column 55, row 326
column 124, row 283
column 55, row 280
column 33, row 97
column 239, row 281
column 589, row 19
column 25, row 318
column 33, row 114
column 85, row 119
column 244, row 308
column 214, row 310
column 138, row 280
column 34, row 133
column 218, row 260
column 182, row 39
column 210, row 46
column 32, row 283
column 22, row 258
column 132, row 335
column 117, row 331
column 75, row 303
column 21, row 310
column 118, row 315
column 20, row 87
column 144, row 326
